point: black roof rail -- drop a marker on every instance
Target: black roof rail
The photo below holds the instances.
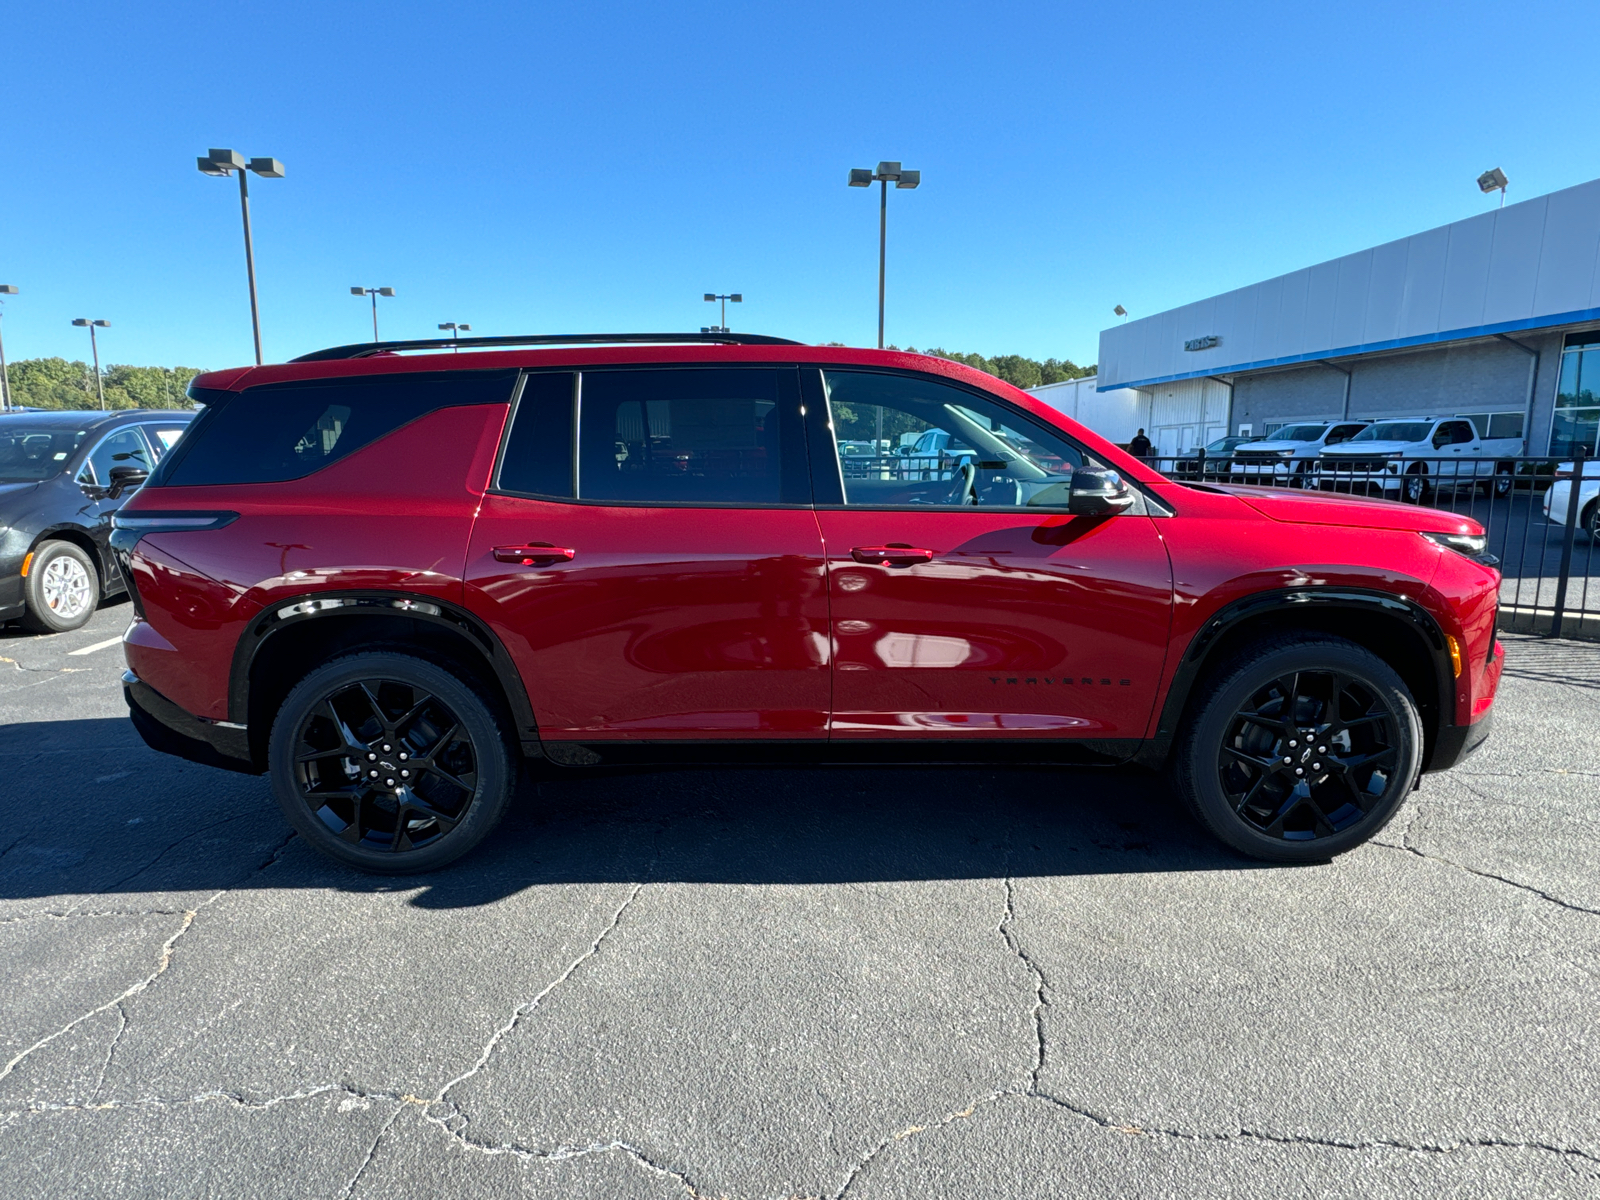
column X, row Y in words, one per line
column 368, row 349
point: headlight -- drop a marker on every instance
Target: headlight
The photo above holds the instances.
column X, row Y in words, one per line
column 1472, row 545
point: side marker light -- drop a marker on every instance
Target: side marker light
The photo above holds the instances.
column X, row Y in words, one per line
column 1455, row 655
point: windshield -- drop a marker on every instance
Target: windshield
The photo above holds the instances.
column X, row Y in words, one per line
column 32, row 452
column 1297, row 433
column 1394, row 431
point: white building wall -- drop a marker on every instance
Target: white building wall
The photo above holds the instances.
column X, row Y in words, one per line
column 1114, row 415
column 1183, row 415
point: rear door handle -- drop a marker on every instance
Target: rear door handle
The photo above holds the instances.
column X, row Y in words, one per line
column 891, row 556
column 534, row 554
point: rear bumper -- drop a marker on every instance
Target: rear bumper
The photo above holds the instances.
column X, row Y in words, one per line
column 167, row 728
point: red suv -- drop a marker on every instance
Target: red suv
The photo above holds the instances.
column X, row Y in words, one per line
column 386, row 574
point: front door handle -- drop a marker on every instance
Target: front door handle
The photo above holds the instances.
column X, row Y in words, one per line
column 891, row 556
column 534, row 554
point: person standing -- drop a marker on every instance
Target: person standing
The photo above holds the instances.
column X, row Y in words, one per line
column 1140, row 446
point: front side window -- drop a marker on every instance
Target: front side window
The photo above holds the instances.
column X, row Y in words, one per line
column 124, row 448
column 1343, row 433
column 1299, row 433
column 904, row 440
column 690, row 436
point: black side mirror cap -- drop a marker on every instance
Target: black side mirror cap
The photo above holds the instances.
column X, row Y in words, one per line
column 1098, row 492
column 124, row 478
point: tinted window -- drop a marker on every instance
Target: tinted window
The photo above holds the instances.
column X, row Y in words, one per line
column 1394, row 431
column 288, row 430
column 538, row 456
column 1299, row 433
column 692, row 436
column 904, row 440
column 1342, row 433
column 124, row 448
column 1460, row 431
column 30, row 452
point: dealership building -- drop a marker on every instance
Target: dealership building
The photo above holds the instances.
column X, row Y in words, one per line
column 1495, row 318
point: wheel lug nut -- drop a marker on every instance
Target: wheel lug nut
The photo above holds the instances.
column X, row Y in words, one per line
column 1322, row 749
column 404, row 756
column 1292, row 742
column 1316, row 766
column 1299, row 771
column 389, row 782
column 372, row 758
column 373, row 774
column 405, row 774
column 386, row 747
column 1288, row 760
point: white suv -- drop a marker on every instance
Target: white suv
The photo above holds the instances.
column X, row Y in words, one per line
column 1287, row 455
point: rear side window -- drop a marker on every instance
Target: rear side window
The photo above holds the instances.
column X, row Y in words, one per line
column 691, row 436
column 288, row 430
column 538, row 455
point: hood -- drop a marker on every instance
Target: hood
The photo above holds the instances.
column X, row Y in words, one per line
column 1272, row 446
column 1320, row 508
column 1368, row 449
column 10, row 494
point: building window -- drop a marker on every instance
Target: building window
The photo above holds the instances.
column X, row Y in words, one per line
column 1577, row 417
column 1496, row 424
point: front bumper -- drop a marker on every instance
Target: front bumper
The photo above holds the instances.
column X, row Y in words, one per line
column 167, row 728
column 1455, row 742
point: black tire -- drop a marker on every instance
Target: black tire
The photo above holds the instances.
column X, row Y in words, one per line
column 1414, row 487
column 1502, row 483
column 62, row 590
column 404, row 717
column 1260, row 787
column 1591, row 520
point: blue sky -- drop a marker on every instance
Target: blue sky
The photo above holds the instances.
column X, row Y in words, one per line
column 599, row 166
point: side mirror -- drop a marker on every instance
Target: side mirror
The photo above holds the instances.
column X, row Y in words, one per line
column 1097, row 493
column 125, row 478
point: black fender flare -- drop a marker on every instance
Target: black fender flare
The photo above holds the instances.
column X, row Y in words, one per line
column 289, row 611
column 1197, row 656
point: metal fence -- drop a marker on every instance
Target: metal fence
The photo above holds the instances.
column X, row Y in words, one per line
column 1548, row 546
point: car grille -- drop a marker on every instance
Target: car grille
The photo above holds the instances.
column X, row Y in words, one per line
column 1258, row 456
column 1355, row 465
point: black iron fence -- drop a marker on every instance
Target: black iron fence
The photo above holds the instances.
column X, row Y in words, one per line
column 1548, row 545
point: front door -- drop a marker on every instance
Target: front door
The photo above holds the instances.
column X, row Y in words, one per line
column 663, row 580
column 966, row 602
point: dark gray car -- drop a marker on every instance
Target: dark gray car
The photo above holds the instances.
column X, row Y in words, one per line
column 62, row 475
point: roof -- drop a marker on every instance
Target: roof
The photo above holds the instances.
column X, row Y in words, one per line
column 1529, row 265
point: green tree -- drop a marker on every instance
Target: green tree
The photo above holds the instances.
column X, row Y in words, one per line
column 56, row 383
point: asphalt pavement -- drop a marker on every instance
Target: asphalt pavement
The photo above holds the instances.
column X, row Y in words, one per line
column 800, row 982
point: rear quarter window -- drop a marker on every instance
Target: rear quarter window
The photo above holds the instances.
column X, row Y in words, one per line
column 283, row 431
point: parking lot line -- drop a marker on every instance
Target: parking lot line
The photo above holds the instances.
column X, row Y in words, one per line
column 97, row 646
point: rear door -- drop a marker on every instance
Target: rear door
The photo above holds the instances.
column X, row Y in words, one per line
column 965, row 604
column 649, row 556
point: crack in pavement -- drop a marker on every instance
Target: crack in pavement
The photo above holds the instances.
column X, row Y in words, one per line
column 193, row 833
column 111, row 1053
column 1490, row 875
column 372, row 1150
column 66, row 914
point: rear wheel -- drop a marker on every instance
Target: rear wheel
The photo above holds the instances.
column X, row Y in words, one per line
column 1591, row 520
column 1299, row 749
column 62, row 589
column 1502, row 482
column 389, row 763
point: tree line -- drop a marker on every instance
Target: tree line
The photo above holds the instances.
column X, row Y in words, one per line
column 61, row 384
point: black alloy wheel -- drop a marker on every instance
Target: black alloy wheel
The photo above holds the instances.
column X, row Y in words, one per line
column 1591, row 520
column 1300, row 749
column 389, row 763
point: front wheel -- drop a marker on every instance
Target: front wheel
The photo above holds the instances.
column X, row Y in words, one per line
column 389, row 763
column 1415, row 485
column 1299, row 749
column 62, row 589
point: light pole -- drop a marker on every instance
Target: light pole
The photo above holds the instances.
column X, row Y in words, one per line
column 887, row 171
column 374, row 293
column 1120, row 312
column 1494, row 179
column 711, row 298
column 6, row 289
column 94, row 349
column 455, row 330
column 228, row 162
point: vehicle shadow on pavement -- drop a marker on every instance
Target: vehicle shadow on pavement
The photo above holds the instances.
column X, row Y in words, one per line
column 87, row 808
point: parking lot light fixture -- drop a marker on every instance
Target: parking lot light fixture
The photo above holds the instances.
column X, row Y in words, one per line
column 456, row 330
column 1494, row 180
column 94, row 349
column 712, row 297
column 6, row 289
column 231, row 162
column 374, row 293
column 886, row 173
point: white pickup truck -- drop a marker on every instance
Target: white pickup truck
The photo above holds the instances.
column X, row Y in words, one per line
column 1415, row 457
column 1289, row 455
